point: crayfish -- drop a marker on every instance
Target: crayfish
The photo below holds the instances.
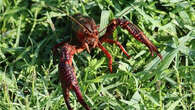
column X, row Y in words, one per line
column 86, row 37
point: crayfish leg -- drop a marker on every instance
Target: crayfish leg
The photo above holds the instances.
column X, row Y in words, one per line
column 107, row 55
column 117, row 43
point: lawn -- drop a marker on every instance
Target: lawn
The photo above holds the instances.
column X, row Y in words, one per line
column 29, row 71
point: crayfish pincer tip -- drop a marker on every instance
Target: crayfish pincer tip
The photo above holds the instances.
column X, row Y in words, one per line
column 160, row 56
column 128, row 57
column 110, row 70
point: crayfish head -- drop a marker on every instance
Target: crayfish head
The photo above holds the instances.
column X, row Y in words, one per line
column 86, row 31
column 91, row 41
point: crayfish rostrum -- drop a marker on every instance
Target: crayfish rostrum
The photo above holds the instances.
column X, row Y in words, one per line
column 86, row 36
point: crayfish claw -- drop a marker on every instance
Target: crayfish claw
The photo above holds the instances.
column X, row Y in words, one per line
column 160, row 56
column 68, row 76
column 80, row 97
column 138, row 35
column 67, row 98
column 153, row 49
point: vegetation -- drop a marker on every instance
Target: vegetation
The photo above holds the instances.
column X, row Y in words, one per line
column 29, row 72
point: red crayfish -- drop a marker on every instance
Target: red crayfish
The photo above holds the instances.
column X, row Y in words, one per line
column 86, row 36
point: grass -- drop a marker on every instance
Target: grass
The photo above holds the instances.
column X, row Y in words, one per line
column 29, row 75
